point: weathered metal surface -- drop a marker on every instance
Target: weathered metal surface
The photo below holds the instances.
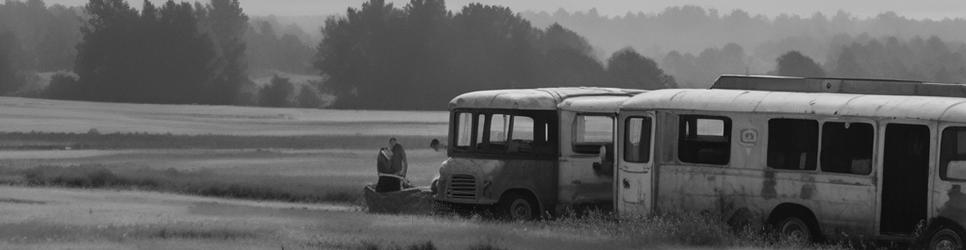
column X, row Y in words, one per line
column 531, row 99
column 821, row 104
column 839, row 85
column 494, row 177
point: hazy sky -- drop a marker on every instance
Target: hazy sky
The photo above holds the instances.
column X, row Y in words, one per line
column 933, row 9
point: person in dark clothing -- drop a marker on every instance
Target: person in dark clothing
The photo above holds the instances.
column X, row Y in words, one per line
column 399, row 162
column 388, row 181
column 392, row 167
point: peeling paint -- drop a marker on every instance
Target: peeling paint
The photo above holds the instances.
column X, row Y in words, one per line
column 955, row 208
column 768, row 185
column 807, row 192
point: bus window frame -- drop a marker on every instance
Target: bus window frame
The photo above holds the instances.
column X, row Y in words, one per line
column 573, row 134
column 941, row 170
column 818, row 146
column 729, row 128
column 623, row 139
column 548, row 147
column 848, row 120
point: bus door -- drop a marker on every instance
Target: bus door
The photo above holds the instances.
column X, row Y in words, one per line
column 634, row 177
column 905, row 178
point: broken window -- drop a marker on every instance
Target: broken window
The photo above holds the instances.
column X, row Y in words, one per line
column 704, row 139
column 792, row 144
column 637, row 139
column 847, row 147
column 592, row 132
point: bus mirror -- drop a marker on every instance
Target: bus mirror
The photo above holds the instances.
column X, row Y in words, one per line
column 956, row 170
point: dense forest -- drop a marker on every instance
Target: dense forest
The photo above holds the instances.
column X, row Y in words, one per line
column 421, row 54
column 695, row 44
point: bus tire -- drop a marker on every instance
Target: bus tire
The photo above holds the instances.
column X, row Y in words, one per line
column 795, row 229
column 944, row 237
column 518, row 206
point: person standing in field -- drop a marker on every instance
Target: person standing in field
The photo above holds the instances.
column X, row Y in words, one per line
column 388, row 180
column 398, row 159
column 392, row 167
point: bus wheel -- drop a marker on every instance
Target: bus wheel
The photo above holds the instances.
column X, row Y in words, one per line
column 945, row 238
column 516, row 206
column 795, row 230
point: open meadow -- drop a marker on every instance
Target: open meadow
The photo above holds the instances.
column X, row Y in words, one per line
column 80, row 175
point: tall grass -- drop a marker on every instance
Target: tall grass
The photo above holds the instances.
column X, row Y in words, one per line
column 203, row 183
column 679, row 229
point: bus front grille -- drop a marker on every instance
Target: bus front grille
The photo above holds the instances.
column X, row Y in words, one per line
column 462, row 187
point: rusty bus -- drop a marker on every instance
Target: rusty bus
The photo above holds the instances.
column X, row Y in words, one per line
column 812, row 157
column 529, row 152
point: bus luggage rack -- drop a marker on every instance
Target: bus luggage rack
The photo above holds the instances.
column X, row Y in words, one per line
column 839, row 85
column 462, row 187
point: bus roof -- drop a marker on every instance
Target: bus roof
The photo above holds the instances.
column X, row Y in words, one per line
column 828, row 104
column 593, row 104
column 839, row 85
column 531, row 99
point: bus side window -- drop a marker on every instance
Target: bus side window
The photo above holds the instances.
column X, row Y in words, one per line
column 464, row 126
column 847, row 148
column 704, row 139
column 637, row 140
column 953, row 149
column 792, row 144
column 593, row 132
column 522, row 133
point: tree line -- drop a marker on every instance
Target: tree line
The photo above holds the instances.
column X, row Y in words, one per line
column 421, row 55
column 696, row 44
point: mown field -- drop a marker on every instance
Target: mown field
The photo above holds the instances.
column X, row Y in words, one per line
column 79, row 175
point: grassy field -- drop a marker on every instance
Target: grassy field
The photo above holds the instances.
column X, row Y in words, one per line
column 26, row 115
column 52, row 218
column 81, row 175
column 335, row 175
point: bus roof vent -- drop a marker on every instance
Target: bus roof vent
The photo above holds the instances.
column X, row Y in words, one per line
column 839, row 85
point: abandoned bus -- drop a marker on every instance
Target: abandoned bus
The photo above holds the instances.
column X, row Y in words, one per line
column 814, row 158
column 526, row 152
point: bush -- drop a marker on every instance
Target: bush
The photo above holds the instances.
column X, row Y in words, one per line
column 63, row 86
column 278, row 93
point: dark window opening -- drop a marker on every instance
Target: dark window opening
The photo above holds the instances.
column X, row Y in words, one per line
column 637, row 139
column 792, row 144
column 905, row 178
column 704, row 139
column 847, row 147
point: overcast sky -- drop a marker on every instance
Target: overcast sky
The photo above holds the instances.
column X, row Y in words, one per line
column 932, row 9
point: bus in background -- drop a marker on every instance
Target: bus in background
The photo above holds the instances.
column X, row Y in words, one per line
column 813, row 158
column 530, row 152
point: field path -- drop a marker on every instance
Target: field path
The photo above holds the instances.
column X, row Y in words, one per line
column 51, row 218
